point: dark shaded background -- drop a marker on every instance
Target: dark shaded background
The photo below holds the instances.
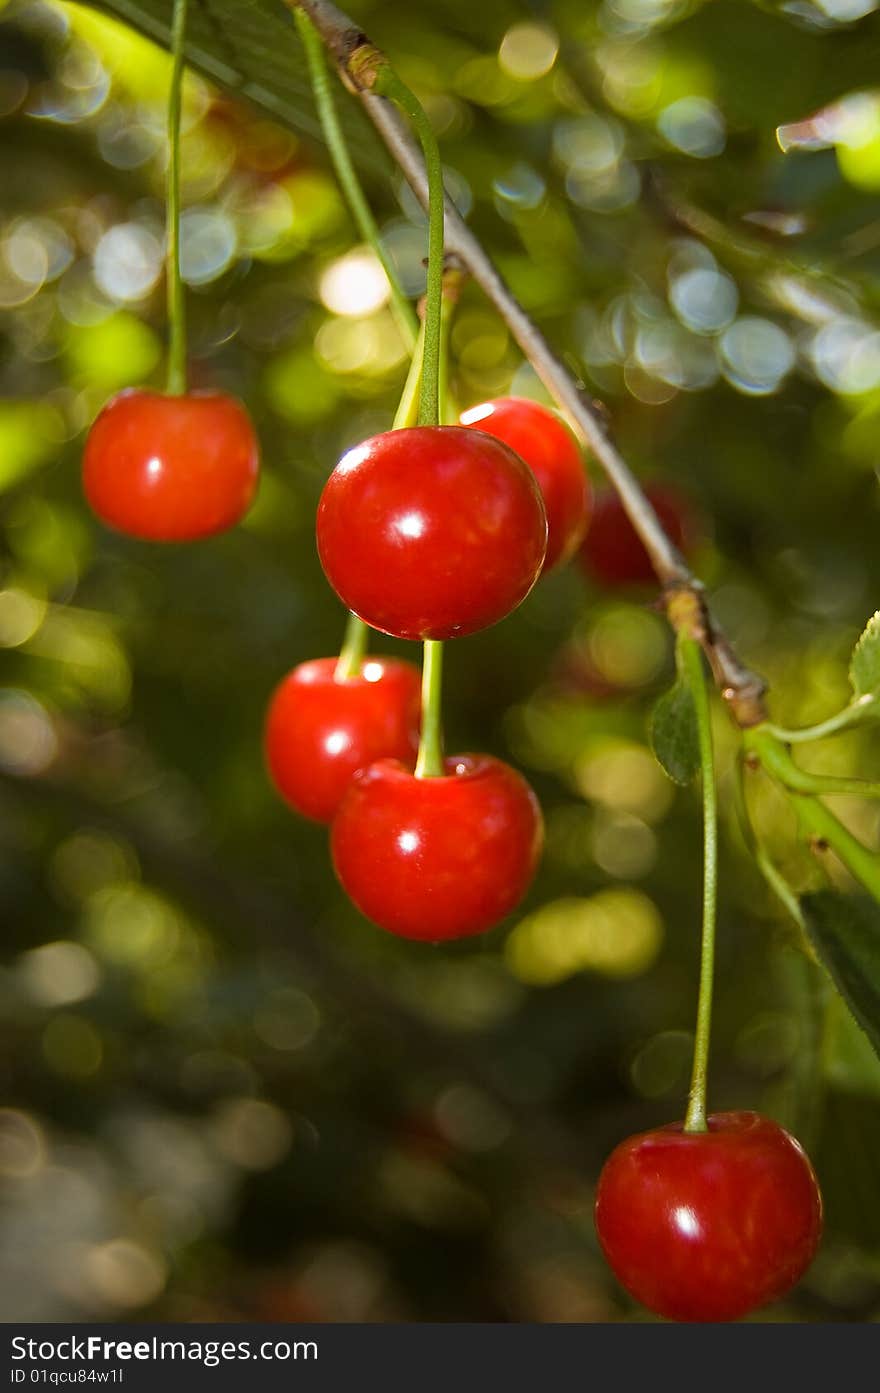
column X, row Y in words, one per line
column 225, row 1094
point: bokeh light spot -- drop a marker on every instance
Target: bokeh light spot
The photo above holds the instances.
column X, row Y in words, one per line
column 617, row 933
column 59, row 974
column 208, row 243
column 21, row 615
column 528, row 51
column 252, row 1133
column 124, row 1274
column 756, row 355
column 705, row 300
column 28, row 743
column 626, row 778
column 127, row 262
column 22, row 1145
column 694, row 126
column 355, row 284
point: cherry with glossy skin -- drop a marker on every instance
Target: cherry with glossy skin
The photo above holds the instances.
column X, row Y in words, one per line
column 431, row 532
column 171, row 468
column 551, row 452
column 707, row 1226
column 612, row 552
column 320, row 729
column 437, row 858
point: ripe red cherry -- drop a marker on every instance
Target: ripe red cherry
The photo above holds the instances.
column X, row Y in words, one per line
column 612, row 552
column 321, row 729
column 431, row 532
column 708, row 1226
column 437, row 858
column 171, row 468
column 552, row 454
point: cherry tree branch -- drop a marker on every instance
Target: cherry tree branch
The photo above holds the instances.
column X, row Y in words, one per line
column 357, row 59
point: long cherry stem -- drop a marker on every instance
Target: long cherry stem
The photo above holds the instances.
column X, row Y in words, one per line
column 345, row 172
column 356, row 640
column 176, row 380
column 691, row 659
column 388, row 84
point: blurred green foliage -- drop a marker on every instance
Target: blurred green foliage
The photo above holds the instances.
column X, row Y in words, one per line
column 225, row 1095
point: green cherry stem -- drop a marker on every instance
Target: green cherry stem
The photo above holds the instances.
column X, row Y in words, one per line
column 776, row 759
column 817, row 820
column 777, row 882
column 349, row 182
column 354, row 647
column 176, row 380
column 821, row 825
column 389, row 85
column 386, row 83
column 450, row 292
column 691, row 662
column 429, row 764
column 857, row 711
column 407, row 412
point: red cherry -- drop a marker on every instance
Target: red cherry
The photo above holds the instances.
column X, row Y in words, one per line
column 612, row 552
column 431, row 532
column 552, row 454
column 321, row 729
column 705, row 1226
column 439, row 858
column 171, row 469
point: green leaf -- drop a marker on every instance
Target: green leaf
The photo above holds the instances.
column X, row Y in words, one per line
column 253, row 50
column 864, row 668
column 674, row 734
column 845, row 931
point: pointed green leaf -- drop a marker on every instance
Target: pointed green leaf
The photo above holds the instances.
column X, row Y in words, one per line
column 864, row 668
column 674, row 734
column 845, row 931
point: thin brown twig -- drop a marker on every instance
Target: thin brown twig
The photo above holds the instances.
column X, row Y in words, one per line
column 356, row 58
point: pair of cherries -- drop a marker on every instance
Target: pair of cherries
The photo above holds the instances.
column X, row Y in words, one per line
column 428, row 532
column 431, row 859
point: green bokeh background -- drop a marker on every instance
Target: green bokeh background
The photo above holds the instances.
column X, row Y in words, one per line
column 224, row 1094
